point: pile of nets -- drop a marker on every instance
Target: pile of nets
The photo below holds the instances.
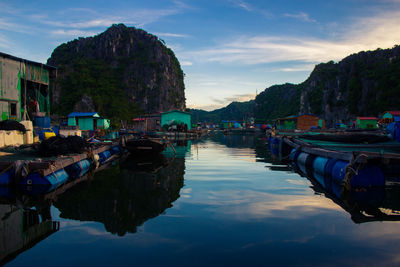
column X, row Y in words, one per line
column 10, row 125
column 59, row 145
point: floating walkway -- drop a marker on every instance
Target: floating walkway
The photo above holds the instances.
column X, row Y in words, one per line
column 41, row 175
column 355, row 167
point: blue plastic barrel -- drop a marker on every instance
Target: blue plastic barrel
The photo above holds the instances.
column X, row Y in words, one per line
column 328, row 174
column 336, row 189
column 115, row 150
column 319, row 165
column 6, row 178
column 397, row 131
column 43, row 122
column 294, row 154
column 301, row 161
column 46, row 183
column 103, row 156
column 56, row 129
column 368, row 176
column 78, row 169
column 319, row 178
column 275, row 146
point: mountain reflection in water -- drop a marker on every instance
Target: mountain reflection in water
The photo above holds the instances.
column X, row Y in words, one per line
column 125, row 196
column 239, row 207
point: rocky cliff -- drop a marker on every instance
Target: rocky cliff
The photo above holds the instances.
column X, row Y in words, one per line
column 363, row 84
column 118, row 73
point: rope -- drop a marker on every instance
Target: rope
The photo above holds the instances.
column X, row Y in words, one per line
column 351, row 171
column 6, row 169
column 52, row 167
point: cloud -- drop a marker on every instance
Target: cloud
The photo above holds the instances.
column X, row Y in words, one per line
column 380, row 31
column 72, row 33
column 15, row 27
column 244, row 5
column 219, row 103
column 7, row 9
column 295, row 68
column 250, row 8
column 4, row 42
column 300, row 16
column 240, row 98
column 186, row 63
column 176, row 35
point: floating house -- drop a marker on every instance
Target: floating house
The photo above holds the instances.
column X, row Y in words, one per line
column 230, row 124
column 366, row 122
column 88, row 121
column 300, row 122
column 390, row 116
column 24, row 88
column 147, row 123
column 287, row 123
column 176, row 117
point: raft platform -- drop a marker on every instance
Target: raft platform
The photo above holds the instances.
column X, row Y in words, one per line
column 42, row 175
column 357, row 167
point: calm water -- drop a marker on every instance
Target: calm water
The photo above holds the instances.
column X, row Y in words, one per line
column 221, row 202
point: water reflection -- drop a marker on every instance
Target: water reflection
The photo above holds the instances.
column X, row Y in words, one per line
column 126, row 195
column 21, row 228
column 363, row 205
column 234, row 141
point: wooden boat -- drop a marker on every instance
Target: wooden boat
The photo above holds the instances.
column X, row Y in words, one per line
column 348, row 138
column 149, row 163
column 350, row 165
column 145, row 145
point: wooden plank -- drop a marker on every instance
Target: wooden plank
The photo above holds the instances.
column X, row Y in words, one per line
column 318, row 151
column 47, row 167
column 344, row 155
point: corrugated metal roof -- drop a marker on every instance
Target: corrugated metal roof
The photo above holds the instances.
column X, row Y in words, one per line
column 26, row 60
column 175, row 110
column 394, row 112
column 83, row 114
column 367, row 118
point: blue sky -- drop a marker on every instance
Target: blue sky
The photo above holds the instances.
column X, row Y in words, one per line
column 228, row 49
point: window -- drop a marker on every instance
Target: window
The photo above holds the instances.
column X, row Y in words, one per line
column 13, row 109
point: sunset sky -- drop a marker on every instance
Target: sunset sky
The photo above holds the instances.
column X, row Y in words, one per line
column 228, row 49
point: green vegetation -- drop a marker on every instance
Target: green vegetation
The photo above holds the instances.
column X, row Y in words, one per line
column 234, row 111
column 277, row 101
column 104, row 85
column 125, row 71
column 368, row 83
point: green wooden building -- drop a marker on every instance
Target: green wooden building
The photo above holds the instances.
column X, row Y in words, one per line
column 176, row 117
column 391, row 116
column 366, row 122
column 287, row 123
column 24, row 87
column 88, row 121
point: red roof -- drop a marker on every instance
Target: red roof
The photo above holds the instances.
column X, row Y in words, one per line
column 394, row 112
column 138, row 119
column 367, row 118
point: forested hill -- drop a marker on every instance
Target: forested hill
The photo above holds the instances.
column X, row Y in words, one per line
column 234, row 111
column 118, row 73
column 362, row 84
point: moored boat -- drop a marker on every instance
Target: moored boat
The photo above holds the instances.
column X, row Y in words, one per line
column 145, row 145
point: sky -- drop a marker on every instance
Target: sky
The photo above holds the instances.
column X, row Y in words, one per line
column 229, row 50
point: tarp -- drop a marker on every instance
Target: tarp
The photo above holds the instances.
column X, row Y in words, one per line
column 83, row 114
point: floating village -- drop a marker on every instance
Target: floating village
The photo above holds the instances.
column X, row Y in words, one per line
column 43, row 156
